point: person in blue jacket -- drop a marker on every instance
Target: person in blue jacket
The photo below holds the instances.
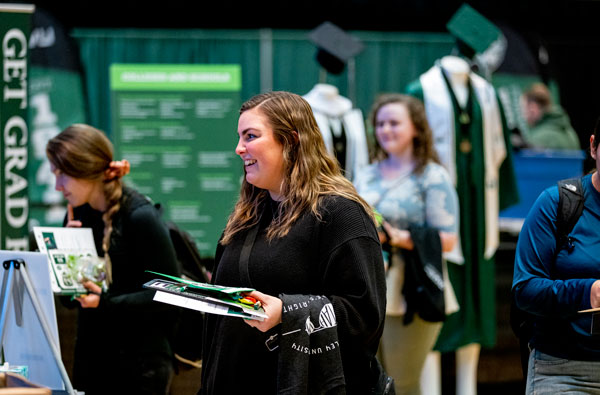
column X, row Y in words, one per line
column 554, row 284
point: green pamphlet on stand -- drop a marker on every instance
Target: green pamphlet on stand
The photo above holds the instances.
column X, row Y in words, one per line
column 208, row 298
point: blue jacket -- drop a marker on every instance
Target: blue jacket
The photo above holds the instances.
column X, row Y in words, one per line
column 555, row 290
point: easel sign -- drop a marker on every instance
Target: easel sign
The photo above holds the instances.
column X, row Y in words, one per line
column 28, row 328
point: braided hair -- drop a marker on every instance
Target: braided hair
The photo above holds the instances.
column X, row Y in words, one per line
column 82, row 151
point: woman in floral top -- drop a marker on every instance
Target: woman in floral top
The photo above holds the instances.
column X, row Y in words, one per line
column 408, row 187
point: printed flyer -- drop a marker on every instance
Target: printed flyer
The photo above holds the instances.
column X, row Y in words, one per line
column 72, row 258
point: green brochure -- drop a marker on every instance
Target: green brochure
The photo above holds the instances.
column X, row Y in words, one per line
column 208, row 298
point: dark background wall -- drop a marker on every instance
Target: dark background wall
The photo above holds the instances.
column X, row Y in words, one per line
column 567, row 29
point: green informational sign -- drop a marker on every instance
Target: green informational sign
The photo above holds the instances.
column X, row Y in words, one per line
column 177, row 125
column 15, row 26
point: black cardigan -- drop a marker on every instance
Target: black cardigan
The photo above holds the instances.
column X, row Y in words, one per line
column 338, row 257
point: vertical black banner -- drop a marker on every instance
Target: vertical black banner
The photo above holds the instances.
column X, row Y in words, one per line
column 15, row 25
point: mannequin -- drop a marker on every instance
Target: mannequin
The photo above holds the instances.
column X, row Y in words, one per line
column 458, row 72
column 467, row 357
column 463, row 112
column 342, row 127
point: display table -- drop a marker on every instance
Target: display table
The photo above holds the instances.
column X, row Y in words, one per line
column 535, row 171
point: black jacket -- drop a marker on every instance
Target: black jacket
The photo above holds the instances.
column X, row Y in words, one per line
column 127, row 323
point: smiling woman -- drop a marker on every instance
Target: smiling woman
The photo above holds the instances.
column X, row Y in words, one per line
column 302, row 236
column 415, row 196
column 261, row 152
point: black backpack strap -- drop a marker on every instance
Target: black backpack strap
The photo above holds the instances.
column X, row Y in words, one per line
column 570, row 207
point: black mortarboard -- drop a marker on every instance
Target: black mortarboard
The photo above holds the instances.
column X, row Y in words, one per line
column 473, row 29
column 335, row 47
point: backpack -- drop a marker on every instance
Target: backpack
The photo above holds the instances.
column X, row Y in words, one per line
column 187, row 339
column 187, row 342
column 570, row 207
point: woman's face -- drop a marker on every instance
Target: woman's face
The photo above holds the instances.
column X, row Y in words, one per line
column 394, row 129
column 261, row 153
column 77, row 191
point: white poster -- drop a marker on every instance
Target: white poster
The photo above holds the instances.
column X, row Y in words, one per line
column 24, row 340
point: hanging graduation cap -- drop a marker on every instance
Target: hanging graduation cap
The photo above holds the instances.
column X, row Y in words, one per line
column 335, row 47
column 472, row 30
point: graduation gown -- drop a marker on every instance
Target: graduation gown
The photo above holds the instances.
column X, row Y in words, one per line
column 473, row 281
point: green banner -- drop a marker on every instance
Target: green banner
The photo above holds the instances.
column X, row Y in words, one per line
column 55, row 102
column 176, row 124
column 15, row 26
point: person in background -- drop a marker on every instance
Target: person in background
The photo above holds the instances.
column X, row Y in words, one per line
column 408, row 187
column 549, row 125
column 122, row 343
column 553, row 282
column 304, row 239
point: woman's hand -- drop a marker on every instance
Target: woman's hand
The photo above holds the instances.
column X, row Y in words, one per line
column 272, row 306
column 399, row 237
column 91, row 300
column 72, row 223
column 382, row 237
column 595, row 294
column 448, row 241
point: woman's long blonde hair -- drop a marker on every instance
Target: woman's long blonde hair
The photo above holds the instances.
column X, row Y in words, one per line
column 310, row 173
column 82, row 151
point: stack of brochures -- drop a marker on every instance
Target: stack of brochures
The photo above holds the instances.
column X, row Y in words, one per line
column 208, row 298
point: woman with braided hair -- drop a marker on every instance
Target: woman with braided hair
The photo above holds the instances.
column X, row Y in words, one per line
column 123, row 336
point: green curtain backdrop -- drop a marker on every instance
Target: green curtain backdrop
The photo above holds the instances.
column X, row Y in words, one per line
column 270, row 60
column 101, row 48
